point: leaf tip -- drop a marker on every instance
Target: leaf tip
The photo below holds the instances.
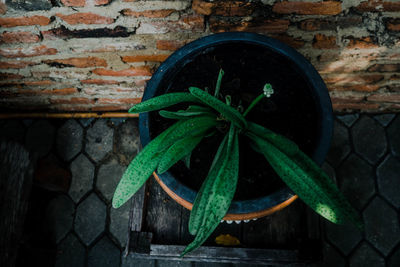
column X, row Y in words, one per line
column 116, row 202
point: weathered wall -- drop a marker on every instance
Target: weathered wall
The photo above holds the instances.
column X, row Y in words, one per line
column 82, row 55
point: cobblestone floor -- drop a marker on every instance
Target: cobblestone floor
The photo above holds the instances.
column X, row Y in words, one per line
column 81, row 161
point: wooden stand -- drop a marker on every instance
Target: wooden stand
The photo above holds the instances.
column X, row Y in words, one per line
column 159, row 231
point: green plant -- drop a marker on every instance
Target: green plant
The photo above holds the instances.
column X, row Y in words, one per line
column 204, row 115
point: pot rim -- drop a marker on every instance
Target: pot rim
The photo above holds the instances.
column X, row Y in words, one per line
column 178, row 60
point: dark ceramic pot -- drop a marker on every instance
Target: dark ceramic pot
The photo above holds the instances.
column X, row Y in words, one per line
column 288, row 72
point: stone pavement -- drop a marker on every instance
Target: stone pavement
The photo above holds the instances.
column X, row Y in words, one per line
column 88, row 156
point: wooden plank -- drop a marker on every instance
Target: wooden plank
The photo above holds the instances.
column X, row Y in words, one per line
column 135, row 243
column 15, row 186
column 170, row 263
column 137, row 208
column 226, row 255
column 184, row 236
column 283, row 229
column 313, row 224
column 163, row 216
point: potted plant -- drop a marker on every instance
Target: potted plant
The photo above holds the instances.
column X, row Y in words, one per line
column 225, row 130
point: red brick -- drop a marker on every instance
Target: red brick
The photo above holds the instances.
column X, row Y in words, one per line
column 143, row 58
column 289, row 40
column 378, row 6
column 85, row 18
column 3, row 8
column 384, row 68
column 141, row 83
column 132, row 71
column 27, row 83
column 354, row 79
column 388, row 97
column 351, row 98
column 307, row 8
column 394, row 77
column 355, row 106
column 24, row 21
column 81, row 3
column 329, row 56
column 330, row 23
column 394, row 107
column 119, row 100
column 171, row 45
column 27, row 52
column 223, row 8
column 101, row 2
column 356, row 88
column 360, row 43
column 264, row 26
column 203, row 7
column 38, row 83
column 10, row 76
column 72, row 100
column 393, row 25
column 162, row 13
column 322, row 41
column 18, row 37
column 191, row 22
column 15, row 64
column 99, row 81
column 75, row 3
column 63, row 91
column 78, row 62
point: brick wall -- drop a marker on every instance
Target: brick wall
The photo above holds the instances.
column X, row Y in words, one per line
column 96, row 55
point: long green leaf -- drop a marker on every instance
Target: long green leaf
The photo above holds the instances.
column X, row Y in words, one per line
column 177, row 151
column 140, row 169
column 227, row 111
column 220, row 195
column 200, row 202
column 183, row 114
column 194, row 108
column 309, row 182
column 219, row 80
column 163, row 101
column 191, row 127
column 186, row 160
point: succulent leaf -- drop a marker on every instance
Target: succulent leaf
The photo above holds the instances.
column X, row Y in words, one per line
column 162, row 101
column 140, row 169
column 217, row 197
column 178, row 151
column 192, row 127
column 183, row 114
column 309, row 182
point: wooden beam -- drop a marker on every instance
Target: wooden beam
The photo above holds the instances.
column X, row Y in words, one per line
column 226, row 255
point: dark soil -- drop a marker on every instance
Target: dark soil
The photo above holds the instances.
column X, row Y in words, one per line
column 290, row 111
